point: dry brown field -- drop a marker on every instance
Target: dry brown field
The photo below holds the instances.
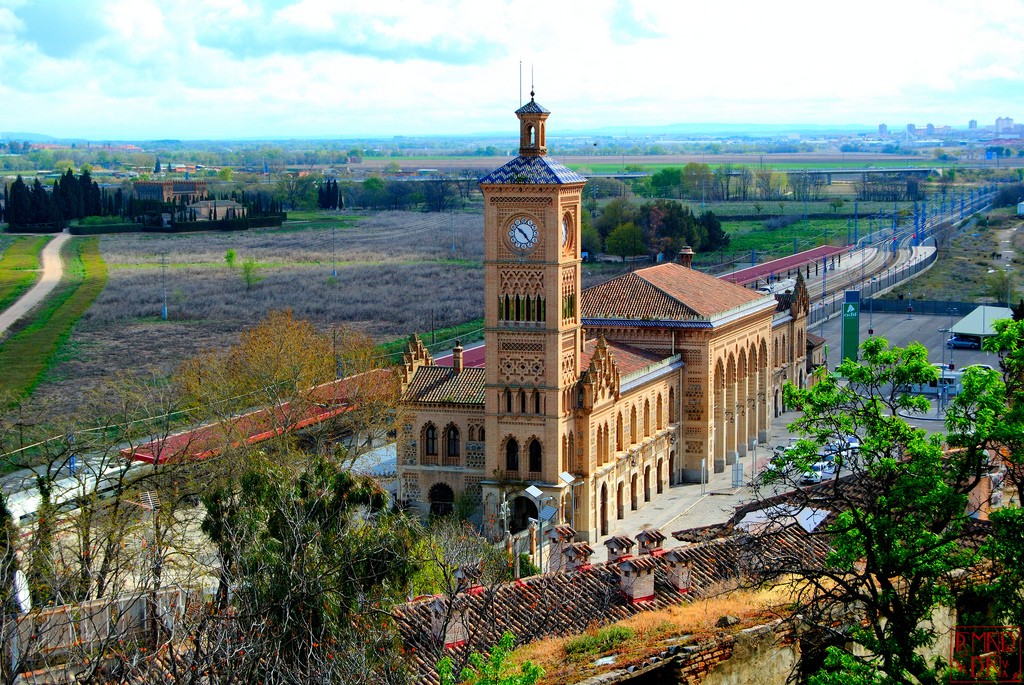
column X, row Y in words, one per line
column 394, row 269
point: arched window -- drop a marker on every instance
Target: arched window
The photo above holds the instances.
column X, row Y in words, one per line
column 522, row 402
column 535, row 456
column 511, row 455
column 618, row 432
column 442, row 499
column 632, row 425
column 536, row 402
column 659, row 413
column 647, row 418
column 481, row 435
column 451, row 450
column 430, row 440
column 508, row 401
column 671, row 405
column 472, row 434
column 570, row 462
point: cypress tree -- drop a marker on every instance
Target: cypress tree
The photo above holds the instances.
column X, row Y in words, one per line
column 156, row 167
column 20, row 206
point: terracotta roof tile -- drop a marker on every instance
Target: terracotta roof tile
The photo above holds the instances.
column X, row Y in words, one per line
column 627, row 358
column 441, row 384
column 667, row 291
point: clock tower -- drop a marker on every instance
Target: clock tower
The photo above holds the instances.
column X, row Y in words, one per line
column 533, row 334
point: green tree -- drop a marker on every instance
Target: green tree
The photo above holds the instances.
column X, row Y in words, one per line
column 627, row 240
column 896, row 536
column 229, row 257
column 249, row 275
column 492, row 669
column 157, row 167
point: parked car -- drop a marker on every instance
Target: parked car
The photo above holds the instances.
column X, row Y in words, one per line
column 963, row 343
column 811, row 477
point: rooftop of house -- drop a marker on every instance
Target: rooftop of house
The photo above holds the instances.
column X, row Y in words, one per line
column 444, row 385
column 667, row 291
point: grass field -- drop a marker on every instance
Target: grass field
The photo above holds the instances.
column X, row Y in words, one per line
column 19, row 266
column 25, row 355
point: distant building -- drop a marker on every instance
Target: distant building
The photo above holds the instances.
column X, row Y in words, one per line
column 911, row 131
column 214, row 210
column 972, row 125
column 1004, row 125
column 166, row 191
column 883, row 130
column 929, row 130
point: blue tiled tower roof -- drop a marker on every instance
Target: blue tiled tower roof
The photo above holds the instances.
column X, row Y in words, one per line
column 533, row 170
column 532, row 107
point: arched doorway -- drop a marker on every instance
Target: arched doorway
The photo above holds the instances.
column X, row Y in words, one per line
column 620, row 504
column 604, row 509
column 672, row 468
column 647, row 483
column 442, row 500
column 777, row 403
column 523, row 509
column 632, row 493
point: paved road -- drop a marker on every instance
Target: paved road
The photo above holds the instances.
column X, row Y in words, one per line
column 53, row 269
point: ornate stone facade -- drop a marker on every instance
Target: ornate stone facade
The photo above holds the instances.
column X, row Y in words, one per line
column 601, row 399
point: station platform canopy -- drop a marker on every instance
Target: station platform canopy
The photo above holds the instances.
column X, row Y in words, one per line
column 979, row 322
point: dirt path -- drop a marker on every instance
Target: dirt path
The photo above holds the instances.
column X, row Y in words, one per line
column 53, row 269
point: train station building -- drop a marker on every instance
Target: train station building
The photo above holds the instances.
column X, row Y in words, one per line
column 590, row 402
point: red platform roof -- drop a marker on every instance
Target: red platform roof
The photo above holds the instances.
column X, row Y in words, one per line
column 319, row 404
column 780, row 266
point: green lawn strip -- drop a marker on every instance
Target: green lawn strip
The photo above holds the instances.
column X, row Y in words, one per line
column 19, row 268
column 444, row 338
column 24, row 356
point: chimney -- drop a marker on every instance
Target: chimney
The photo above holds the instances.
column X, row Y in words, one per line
column 650, row 540
column 619, row 547
column 636, row 578
column 577, row 556
column 559, row 538
column 457, row 357
column 685, row 256
column 679, row 570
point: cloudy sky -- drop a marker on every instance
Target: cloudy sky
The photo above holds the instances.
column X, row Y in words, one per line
column 189, row 69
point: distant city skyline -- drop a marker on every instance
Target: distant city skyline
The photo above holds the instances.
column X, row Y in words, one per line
column 235, row 69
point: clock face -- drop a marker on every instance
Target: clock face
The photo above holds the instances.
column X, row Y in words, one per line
column 522, row 233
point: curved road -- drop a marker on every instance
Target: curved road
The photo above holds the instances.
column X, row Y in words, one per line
column 53, row 269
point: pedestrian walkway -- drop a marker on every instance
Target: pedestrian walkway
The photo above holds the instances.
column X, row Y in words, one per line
column 691, row 505
column 52, row 269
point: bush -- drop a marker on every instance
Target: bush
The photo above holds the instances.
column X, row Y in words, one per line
column 100, row 220
column 104, row 229
column 782, row 221
column 597, row 642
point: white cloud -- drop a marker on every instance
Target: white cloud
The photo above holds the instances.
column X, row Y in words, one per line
column 280, row 67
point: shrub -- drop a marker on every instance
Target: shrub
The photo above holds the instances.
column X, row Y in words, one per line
column 597, row 642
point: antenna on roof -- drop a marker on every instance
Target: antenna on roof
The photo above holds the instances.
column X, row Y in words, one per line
column 520, row 83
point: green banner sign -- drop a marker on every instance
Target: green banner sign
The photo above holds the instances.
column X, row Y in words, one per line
column 851, row 324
